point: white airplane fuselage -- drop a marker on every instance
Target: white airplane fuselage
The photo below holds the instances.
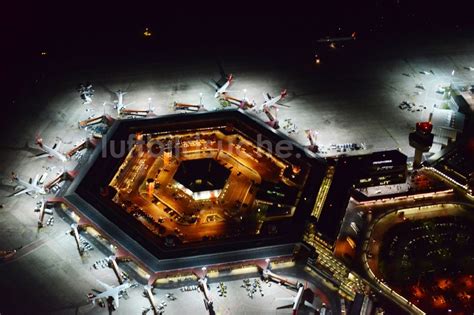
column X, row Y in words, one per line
column 28, row 187
column 223, row 88
column 205, row 290
column 120, row 104
column 298, row 299
column 272, row 101
column 53, row 153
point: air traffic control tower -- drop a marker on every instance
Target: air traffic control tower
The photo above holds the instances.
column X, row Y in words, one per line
column 422, row 140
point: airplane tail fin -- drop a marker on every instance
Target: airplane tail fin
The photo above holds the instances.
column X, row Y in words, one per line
column 39, row 141
column 230, row 77
column 353, row 35
column 267, row 265
column 201, row 274
column 283, row 93
column 13, row 176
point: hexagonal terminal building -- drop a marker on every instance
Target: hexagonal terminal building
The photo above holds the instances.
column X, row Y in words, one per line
column 181, row 191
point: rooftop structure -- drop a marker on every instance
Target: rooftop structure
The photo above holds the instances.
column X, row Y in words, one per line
column 447, row 124
column 464, row 102
column 456, row 163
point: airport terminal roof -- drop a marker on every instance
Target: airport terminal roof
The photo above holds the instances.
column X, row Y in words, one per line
column 91, row 197
column 457, row 161
column 465, row 102
column 447, row 119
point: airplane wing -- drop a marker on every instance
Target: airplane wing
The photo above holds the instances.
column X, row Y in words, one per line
column 120, row 92
column 105, row 285
column 282, row 105
column 285, row 306
column 42, row 178
column 41, row 155
column 265, row 97
column 285, row 299
column 116, row 299
column 307, row 304
column 35, row 181
column 21, row 192
column 97, row 291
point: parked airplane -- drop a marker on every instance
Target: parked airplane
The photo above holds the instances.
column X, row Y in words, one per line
column 221, row 89
column 272, row 101
column 204, row 287
column 298, row 301
column 32, row 187
column 122, row 108
column 120, row 105
column 50, row 151
column 111, row 292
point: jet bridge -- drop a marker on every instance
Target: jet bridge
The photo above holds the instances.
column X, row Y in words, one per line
column 240, row 103
column 273, row 121
column 190, row 107
column 136, row 112
column 104, row 119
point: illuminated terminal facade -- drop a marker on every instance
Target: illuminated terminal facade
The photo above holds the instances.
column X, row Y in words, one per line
column 208, row 188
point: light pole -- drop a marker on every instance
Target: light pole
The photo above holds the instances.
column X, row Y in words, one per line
column 149, row 104
column 200, row 99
